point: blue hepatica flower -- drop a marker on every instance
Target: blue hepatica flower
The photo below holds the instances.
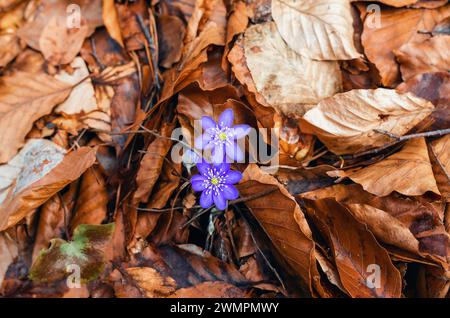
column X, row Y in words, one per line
column 216, row 183
column 221, row 137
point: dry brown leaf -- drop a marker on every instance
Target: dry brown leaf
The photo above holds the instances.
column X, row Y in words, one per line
column 407, row 171
column 345, row 123
column 92, row 199
column 355, row 250
column 8, row 252
column 47, row 29
column 111, row 21
column 284, row 78
column 432, row 55
column 18, row 204
column 318, row 29
column 440, row 156
column 209, row 290
column 152, row 283
column 398, row 26
column 395, row 3
column 282, row 219
column 24, row 98
column 411, row 224
column 152, row 163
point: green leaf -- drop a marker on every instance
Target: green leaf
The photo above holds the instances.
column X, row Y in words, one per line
column 84, row 251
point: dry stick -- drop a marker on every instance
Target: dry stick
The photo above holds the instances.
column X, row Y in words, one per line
column 399, row 139
column 233, row 202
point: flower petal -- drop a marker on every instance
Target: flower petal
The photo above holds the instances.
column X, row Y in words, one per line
column 208, row 123
column 190, row 157
column 202, row 141
column 198, row 182
column 233, row 177
column 203, row 167
column 218, row 154
column 220, row 201
column 230, row 192
column 206, row 199
column 222, row 168
column 241, row 131
column 234, row 152
column 226, row 118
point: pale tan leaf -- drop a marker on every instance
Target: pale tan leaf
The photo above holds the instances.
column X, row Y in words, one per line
column 345, row 123
column 81, row 99
column 287, row 80
column 209, row 290
column 441, row 148
column 318, row 29
column 407, row 172
column 24, row 98
column 152, row 283
column 36, row 159
column 20, row 203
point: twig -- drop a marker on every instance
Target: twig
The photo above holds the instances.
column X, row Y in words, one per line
column 433, row 133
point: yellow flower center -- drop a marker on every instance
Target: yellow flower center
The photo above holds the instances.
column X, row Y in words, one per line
column 214, row 181
column 223, row 136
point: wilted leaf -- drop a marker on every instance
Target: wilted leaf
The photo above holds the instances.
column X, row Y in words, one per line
column 24, row 98
column 407, row 171
column 345, row 123
column 85, row 250
column 318, row 29
column 355, row 251
column 284, row 78
column 82, row 97
column 429, row 56
column 282, row 219
column 397, row 27
column 33, row 188
column 111, row 20
column 8, row 252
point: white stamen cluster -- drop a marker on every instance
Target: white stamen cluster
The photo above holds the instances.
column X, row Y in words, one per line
column 222, row 136
column 214, row 181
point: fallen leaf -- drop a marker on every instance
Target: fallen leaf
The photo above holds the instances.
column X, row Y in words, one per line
column 318, row 29
column 345, row 123
column 111, row 20
column 84, row 251
column 209, row 290
column 24, row 98
column 151, row 282
column 34, row 189
column 8, row 252
column 355, row 251
column 429, row 56
column 407, row 171
column 284, row 78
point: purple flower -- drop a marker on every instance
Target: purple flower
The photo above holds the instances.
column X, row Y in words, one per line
column 216, row 183
column 221, row 137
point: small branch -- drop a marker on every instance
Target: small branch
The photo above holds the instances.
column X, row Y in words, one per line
column 433, row 133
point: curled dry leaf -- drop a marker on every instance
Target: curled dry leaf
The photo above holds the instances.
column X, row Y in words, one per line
column 440, row 157
column 411, row 224
column 151, row 164
column 432, row 55
column 284, row 78
column 282, row 220
column 151, row 283
column 355, row 249
column 82, row 97
column 111, row 21
column 408, row 172
column 35, row 188
column 318, row 29
column 92, row 200
column 24, row 98
column 49, row 28
column 384, row 34
column 345, row 123
column 85, row 251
